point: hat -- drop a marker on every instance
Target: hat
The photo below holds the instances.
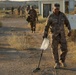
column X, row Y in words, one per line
column 57, row 5
column 32, row 6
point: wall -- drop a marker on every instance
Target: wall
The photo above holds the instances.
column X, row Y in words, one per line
column 71, row 5
column 72, row 20
column 8, row 4
column 61, row 2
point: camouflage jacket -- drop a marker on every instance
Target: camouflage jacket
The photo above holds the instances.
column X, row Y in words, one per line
column 33, row 15
column 56, row 24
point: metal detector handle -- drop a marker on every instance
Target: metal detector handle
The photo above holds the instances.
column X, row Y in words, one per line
column 40, row 58
column 38, row 68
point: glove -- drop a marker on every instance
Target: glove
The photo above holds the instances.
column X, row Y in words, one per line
column 37, row 19
column 45, row 36
column 69, row 33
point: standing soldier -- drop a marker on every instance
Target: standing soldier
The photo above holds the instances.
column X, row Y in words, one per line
column 28, row 8
column 33, row 17
column 23, row 11
column 12, row 10
column 19, row 8
column 56, row 23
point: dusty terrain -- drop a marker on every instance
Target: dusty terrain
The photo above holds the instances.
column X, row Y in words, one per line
column 23, row 62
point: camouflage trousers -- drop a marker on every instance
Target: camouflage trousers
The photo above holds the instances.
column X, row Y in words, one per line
column 33, row 26
column 63, row 46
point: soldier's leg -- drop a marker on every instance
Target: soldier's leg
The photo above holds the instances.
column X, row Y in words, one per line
column 55, row 50
column 55, row 43
column 64, row 51
column 31, row 23
column 34, row 26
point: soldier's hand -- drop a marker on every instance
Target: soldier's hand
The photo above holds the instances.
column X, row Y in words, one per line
column 44, row 36
column 37, row 19
column 69, row 33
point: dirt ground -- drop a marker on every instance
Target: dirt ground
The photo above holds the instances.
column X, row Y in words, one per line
column 14, row 62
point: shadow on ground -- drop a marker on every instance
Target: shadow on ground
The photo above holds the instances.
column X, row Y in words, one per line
column 6, row 29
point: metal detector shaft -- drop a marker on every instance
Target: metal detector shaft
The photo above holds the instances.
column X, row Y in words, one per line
column 40, row 58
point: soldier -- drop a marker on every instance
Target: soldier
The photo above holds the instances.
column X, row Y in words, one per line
column 23, row 11
column 56, row 22
column 28, row 8
column 19, row 8
column 12, row 10
column 33, row 17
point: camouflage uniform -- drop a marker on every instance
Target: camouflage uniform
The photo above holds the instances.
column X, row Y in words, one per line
column 33, row 16
column 56, row 24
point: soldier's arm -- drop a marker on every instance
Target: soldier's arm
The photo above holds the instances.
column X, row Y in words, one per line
column 29, row 12
column 68, row 26
column 67, row 23
column 36, row 15
column 47, row 27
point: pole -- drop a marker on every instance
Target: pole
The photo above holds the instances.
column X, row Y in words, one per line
column 38, row 68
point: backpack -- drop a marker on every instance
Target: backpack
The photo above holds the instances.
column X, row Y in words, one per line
column 28, row 19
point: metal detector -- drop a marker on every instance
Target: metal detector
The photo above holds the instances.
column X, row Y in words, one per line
column 38, row 68
column 43, row 47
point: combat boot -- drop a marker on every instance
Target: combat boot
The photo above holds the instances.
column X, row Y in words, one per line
column 63, row 64
column 57, row 65
column 34, row 30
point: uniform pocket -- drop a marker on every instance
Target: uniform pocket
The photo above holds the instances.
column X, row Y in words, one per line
column 62, row 20
column 54, row 21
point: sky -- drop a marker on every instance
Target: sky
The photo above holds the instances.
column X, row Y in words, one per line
column 19, row 0
column 15, row 0
column 22, row 0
